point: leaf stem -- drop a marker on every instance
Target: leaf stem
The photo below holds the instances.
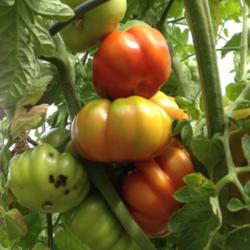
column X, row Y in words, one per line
column 79, row 11
column 50, row 232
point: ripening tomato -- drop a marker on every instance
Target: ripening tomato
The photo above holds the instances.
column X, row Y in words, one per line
column 148, row 190
column 85, row 31
column 127, row 129
column 169, row 105
column 135, row 62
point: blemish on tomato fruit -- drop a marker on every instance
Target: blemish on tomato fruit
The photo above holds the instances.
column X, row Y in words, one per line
column 51, row 179
column 51, row 154
column 47, row 205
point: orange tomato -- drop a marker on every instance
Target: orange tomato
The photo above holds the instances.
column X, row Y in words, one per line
column 132, row 62
column 148, row 190
column 127, row 129
column 169, row 105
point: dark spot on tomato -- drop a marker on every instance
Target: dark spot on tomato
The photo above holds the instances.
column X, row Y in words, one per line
column 47, row 205
column 51, row 154
column 66, row 191
column 51, row 179
column 61, row 181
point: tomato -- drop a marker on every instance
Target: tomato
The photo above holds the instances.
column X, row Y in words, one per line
column 56, row 137
column 148, row 189
column 135, row 62
column 45, row 180
column 169, row 105
column 126, row 129
column 95, row 225
column 94, row 25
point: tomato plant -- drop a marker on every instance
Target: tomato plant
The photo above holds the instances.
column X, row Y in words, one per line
column 114, row 131
column 135, row 62
column 166, row 112
column 148, row 190
column 93, row 25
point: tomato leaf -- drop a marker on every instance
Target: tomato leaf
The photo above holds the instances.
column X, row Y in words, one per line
column 235, row 205
column 209, row 152
column 15, row 224
column 26, row 119
column 238, row 238
column 197, row 228
column 51, row 8
column 24, row 37
column 34, row 222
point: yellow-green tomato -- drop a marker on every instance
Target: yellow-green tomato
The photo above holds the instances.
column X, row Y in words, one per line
column 96, row 226
column 127, row 129
column 94, row 25
column 43, row 179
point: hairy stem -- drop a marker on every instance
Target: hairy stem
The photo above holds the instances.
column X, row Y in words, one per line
column 244, row 43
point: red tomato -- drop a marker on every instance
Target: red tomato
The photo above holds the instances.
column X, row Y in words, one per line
column 135, row 62
column 148, row 190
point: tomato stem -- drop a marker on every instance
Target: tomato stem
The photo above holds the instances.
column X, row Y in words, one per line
column 50, row 232
column 242, row 76
column 200, row 22
column 79, row 11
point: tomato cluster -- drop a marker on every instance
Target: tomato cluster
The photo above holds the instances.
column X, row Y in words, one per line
column 130, row 123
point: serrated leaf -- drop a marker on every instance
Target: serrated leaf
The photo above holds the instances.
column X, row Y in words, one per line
column 15, row 224
column 200, row 218
column 27, row 119
column 197, row 189
column 23, row 39
column 235, row 205
column 53, row 9
column 208, row 152
column 238, row 239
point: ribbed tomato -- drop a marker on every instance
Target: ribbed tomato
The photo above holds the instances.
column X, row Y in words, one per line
column 127, row 129
column 134, row 62
column 148, row 190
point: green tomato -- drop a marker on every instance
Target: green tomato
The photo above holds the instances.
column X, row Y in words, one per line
column 94, row 25
column 56, row 137
column 43, row 179
column 96, row 226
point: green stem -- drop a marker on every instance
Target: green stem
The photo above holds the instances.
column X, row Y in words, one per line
column 200, row 22
column 101, row 181
column 67, row 74
column 180, row 74
column 244, row 43
column 50, row 232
